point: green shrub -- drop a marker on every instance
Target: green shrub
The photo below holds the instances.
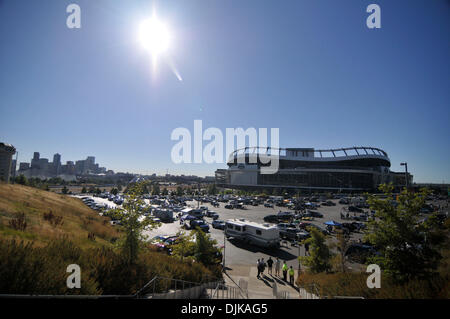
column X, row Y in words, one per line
column 26, row 269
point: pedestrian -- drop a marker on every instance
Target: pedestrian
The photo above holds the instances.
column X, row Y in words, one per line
column 263, row 266
column 258, row 266
column 291, row 275
column 285, row 270
column 277, row 267
column 269, row 265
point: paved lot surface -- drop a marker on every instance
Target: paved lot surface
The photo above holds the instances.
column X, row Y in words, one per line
column 237, row 253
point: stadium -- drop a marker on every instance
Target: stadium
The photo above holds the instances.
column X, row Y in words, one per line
column 342, row 169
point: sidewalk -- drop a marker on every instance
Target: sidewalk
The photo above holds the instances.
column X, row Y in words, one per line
column 260, row 288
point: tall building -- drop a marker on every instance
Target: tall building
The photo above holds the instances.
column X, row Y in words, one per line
column 13, row 168
column 6, row 153
column 35, row 160
column 57, row 164
column 24, row 166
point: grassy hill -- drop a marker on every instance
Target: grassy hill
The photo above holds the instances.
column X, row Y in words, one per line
column 56, row 235
column 49, row 216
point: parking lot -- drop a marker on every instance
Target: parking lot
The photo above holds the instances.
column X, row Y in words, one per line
column 238, row 253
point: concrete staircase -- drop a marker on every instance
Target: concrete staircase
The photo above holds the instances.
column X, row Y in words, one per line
column 263, row 287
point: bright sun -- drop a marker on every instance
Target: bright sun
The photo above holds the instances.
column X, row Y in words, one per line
column 154, row 36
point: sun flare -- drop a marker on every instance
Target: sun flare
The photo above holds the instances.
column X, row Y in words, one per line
column 154, row 36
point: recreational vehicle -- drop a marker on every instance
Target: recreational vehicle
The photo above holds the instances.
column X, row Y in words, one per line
column 264, row 235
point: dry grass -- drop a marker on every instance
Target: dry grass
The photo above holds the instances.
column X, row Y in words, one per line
column 354, row 285
column 77, row 220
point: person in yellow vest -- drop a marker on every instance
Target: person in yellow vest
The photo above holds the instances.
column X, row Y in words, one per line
column 291, row 275
column 285, row 270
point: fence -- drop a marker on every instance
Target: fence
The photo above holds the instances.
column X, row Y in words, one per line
column 310, row 291
column 222, row 291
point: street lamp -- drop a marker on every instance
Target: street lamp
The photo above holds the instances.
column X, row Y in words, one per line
column 224, row 243
column 406, row 173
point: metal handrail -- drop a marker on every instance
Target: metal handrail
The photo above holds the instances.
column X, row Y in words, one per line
column 171, row 279
column 242, row 292
column 215, row 290
column 234, row 291
column 145, row 286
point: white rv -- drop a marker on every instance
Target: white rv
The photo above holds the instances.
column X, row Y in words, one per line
column 264, row 235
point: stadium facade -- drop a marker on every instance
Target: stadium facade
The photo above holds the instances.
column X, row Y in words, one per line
column 341, row 169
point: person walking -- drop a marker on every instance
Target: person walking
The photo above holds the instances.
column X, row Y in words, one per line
column 269, row 265
column 263, row 266
column 258, row 266
column 277, row 267
column 285, row 270
column 291, row 276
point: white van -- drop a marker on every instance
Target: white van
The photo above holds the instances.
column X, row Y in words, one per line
column 264, row 235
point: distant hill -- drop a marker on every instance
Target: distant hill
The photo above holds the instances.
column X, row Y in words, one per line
column 49, row 216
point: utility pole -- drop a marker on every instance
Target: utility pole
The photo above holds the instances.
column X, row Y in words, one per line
column 224, row 243
column 406, row 173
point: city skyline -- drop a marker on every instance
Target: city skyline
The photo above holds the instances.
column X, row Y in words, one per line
column 312, row 69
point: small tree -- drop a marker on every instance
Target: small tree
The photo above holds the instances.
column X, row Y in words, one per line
column 65, row 190
column 206, row 251
column 212, row 189
column 185, row 246
column 134, row 222
column 341, row 246
column 22, row 180
column 319, row 259
column 165, row 191
column 83, row 190
column 179, row 191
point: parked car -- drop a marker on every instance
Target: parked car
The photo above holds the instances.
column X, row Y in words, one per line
column 218, row 224
column 306, row 225
column 199, row 223
column 214, row 216
column 315, row 214
column 282, row 226
column 268, row 205
column 209, row 213
column 228, row 206
column 289, row 233
column 355, row 209
column 271, row 219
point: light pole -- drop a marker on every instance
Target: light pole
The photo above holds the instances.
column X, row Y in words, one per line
column 406, row 173
column 224, row 243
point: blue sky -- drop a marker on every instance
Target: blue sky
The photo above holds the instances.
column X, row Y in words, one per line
column 310, row 68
